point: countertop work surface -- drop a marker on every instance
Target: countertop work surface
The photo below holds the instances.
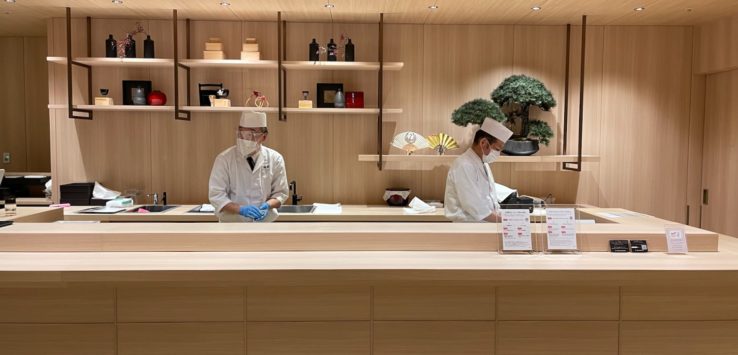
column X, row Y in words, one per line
column 349, row 213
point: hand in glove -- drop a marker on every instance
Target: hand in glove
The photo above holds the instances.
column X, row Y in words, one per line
column 252, row 212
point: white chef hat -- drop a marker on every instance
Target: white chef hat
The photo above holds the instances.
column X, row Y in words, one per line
column 496, row 129
column 253, row 119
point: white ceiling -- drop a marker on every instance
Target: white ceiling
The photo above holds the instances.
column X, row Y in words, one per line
column 28, row 17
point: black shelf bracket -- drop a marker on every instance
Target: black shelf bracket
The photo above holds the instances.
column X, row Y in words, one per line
column 180, row 114
column 380, row 82
column 575, row 166
column 281, row 72
column 75, row 113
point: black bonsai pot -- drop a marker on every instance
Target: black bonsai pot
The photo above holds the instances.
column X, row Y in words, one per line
column 521, row 147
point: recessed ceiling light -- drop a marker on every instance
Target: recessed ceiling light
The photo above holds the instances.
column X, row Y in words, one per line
column 536, row 8
column 433, row 7
column 224, row 3
column 117, row 2
column 10, row 1
column 329, row 6
column 639, row 8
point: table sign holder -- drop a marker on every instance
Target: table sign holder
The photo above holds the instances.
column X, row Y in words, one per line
column 561, row 231
column 515, row 232
column 676, row 240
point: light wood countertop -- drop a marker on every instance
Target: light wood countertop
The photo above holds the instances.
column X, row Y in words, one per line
column 25, row 214
column 350, row 213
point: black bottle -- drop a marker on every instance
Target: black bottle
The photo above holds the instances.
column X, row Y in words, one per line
column 148, row 47
column 131, row 48
column 332, row 46
column 111, row 50
column 349, row 57
column 314, row 54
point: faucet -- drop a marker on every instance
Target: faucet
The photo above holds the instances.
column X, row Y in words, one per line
column 295, row 197
column 156, row 198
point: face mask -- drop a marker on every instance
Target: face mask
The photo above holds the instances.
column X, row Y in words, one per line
column 491, row 157
column 246, row 147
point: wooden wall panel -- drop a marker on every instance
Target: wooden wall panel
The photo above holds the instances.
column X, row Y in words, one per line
column 434, row 303
column 57, row 305
column 181, row 338
column 717, row 49
column 36, row 101
column 720, row 172
column 557, row 338
column 12, row 111
column 58, row 339
column 433, row 337
column 696, row 150
column 566, row 302
column 308, row 338
column 678, row 338
column 211, row 304
column 307, row 303
column 645, row 125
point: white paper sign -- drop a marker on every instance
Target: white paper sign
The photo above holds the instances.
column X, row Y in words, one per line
column 561, row 229
column 676, row 240
column 516, row 230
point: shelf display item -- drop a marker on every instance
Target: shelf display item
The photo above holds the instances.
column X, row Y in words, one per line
column 410, row 142
column 340, row 99
column 250, row 50
column 205, row 90
column 104, row 100
column 349, row 51
column 156, row 98
column 130, row 47
column 136, row 91
column 327, row 94
column 332, row 49
column 397, row 196
column 110, row 47
column 213, row 49
column 314, row 51
column 259, row 100
column 441, row 143
column 354, row 99
column 220, row 98
column 127, row 46
column 149, row 47
column 305, row 102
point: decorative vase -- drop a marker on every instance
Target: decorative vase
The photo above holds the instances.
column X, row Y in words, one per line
column 138, row 96
column 156, row 98
column 349, row 54
column 339, row 101
column 149, row 47
column 110, row 47
column 332, row 47
column 521, row 147
column 314, row 51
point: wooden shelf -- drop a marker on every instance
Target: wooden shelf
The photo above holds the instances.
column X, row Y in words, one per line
column 448, row 159
column 136, row 108
column 228, row 63
column 341, row 111
column 117, row 62
column 228, row 109
column 323, row 65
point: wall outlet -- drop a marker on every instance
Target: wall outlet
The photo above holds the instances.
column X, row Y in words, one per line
column 6, row 158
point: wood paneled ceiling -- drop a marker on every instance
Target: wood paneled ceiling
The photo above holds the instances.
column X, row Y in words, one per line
column 27, row 17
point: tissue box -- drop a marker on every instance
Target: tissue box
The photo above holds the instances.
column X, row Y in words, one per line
column 213, row 55
column 250, row 56
column 213, row 46
column 104, row 101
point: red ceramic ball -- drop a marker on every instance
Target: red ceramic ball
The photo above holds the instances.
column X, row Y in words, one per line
column 156, row 98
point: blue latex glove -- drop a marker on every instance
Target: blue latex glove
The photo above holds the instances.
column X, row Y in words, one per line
column 264, row 208
column 252, row 212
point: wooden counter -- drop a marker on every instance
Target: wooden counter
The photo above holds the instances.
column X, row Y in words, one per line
column 350, row 213
column 35, row 215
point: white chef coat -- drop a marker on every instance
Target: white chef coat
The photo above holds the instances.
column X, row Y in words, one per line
column 232, row 180
column 470, row 189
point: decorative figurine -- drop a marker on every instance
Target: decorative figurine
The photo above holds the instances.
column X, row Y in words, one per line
column 259, row 99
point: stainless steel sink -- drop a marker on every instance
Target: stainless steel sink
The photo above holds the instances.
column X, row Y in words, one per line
column 296, row 209
column 153, row 208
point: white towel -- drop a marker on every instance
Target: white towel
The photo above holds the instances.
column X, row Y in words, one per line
column 418, row 206
column 206, row 207
column 104, row 193
column 327, row 208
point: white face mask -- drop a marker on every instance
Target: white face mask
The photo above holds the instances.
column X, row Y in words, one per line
column 491, row 157
column 247, row 147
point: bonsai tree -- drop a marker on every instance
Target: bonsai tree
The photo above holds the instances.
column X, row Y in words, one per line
column 475, row 111
column 516, row 95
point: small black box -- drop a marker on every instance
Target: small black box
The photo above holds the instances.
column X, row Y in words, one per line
column 638, row 246
column 619, row 246
column 76, row 194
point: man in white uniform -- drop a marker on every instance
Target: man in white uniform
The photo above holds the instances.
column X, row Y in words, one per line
column 248, row 181
column 470, row 187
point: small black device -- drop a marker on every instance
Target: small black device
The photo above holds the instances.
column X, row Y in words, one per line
column 638, row 246
column 619, row 246
column 5, row 223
